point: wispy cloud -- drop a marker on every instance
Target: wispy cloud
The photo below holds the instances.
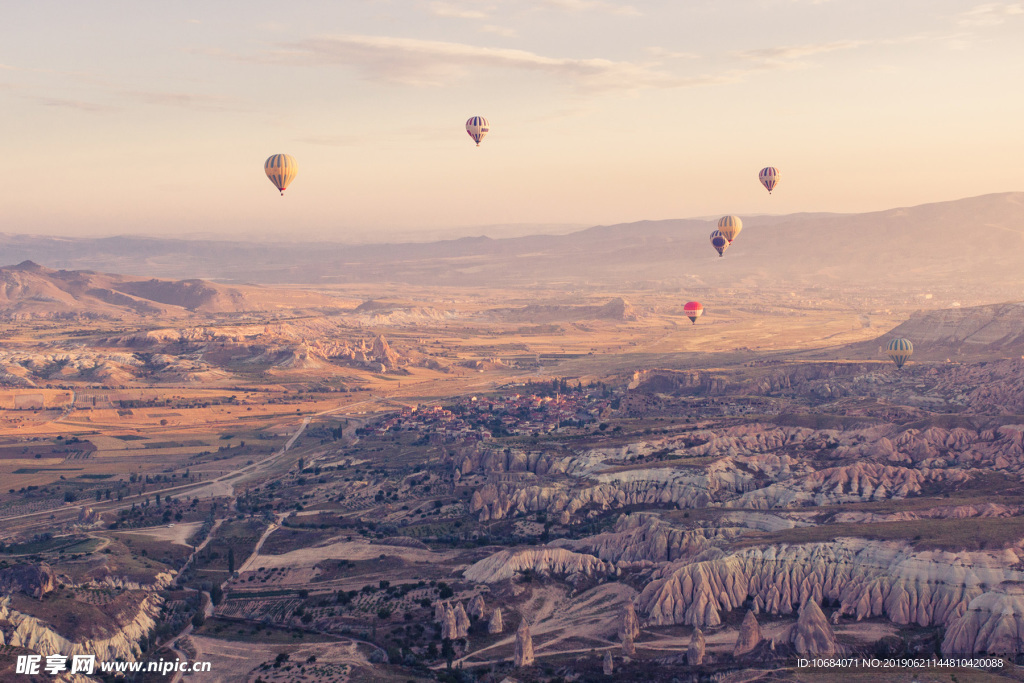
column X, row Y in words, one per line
column 662, row 53
column 441, row 8
column 412, row 61
column 592, row 5
column 178, row 99
column 789, row 54
column 503, row 31
column 991, row 13
column 65, row 103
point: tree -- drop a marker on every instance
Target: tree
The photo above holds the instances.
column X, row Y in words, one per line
column 231, row 560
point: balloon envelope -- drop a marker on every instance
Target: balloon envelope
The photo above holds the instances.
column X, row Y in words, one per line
column 730, row 226
column 478, row 128
column 281, row 169
column 769, row 177
column 693, row 310
column 719, row 242
column 899, row 350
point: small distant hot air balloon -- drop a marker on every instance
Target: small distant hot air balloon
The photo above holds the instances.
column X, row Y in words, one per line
column 730, row 226
column 899, row 350
column 281, row 169
column 719, row 242
column 693, row 310
column 478, row 128
column 769, row 177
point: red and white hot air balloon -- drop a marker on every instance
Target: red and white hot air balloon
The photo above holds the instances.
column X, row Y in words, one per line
column 693, row 310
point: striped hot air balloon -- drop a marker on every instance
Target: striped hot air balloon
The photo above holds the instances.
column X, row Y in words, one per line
column 478, row 128
column 281, row 169
column 730, row 227
column 769, row 177
column 693, row 310
column 899, row 350
column 719, row 242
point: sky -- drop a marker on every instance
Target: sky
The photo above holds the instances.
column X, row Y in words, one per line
column 126, row 117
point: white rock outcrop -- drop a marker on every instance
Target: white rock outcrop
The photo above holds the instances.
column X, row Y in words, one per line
column 868, row 579
column 993, row 623
column 812, row 635
column 524, row 646
column 506, row 564
column 29, row 632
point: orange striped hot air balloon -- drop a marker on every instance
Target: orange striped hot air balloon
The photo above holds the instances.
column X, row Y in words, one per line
column 730, row 227
column 281, row 169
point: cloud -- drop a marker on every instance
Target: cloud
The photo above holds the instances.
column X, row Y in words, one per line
column 991, row 13
column 662, row 53
column 785, row 55
column 412, row 61
column 440, row 8
column 80, row 105
column 502, row 31
column 178, row 99
column 592, row 5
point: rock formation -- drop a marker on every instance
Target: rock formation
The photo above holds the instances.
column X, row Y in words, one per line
column 461, row 621
column 812, row 634
column 607, row 666
column 993, row 623
column 506, row 564
column 495, row 625
column 30, row 579
column 749, row 636
column 695, row 651
column 524, row 645
column 629, row 623
column 381, row 353
column 439, row 611
column 449, row 625
column 119, row 641
column 867, row 578
column 628, row 645
column 476, row 607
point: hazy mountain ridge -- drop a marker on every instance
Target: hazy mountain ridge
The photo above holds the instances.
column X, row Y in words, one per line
column 976, row 242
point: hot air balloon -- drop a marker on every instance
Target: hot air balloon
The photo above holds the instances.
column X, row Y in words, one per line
column 478, row 128
column 899, row 350
column 719, row 242
column 281, row 169
column 730, row 226
column 769, row 177
column 693, row 310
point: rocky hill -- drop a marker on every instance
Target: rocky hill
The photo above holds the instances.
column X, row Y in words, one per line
column 993, row 331
column 29, row 290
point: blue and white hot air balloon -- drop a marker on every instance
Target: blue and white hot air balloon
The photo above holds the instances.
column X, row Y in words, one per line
column 719, row 242
column 769, row 177
column 478, row 128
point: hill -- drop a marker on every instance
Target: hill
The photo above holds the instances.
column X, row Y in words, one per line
column 29, row 290
column 974, row 244
column 967, row 333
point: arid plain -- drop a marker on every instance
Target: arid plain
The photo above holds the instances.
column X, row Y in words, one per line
column 556, row 480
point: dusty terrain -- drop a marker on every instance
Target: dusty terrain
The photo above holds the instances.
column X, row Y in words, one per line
column 421, row 478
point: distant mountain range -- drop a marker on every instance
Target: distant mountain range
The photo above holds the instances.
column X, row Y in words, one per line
column 975, row 243
column 30, row 290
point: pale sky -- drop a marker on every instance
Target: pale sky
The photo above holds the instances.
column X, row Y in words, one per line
column 155, row 117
